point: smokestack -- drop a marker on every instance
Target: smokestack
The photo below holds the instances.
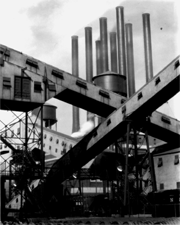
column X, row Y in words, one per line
column 130, row 59
column 104, row 44
column 121, row 40
column 113, row 50
column 98, row 57
column 147, row 46
column 89, row 61
column 75, row 72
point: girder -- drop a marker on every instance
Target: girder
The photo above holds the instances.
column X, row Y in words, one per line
column 135, row 110
column 63, row 86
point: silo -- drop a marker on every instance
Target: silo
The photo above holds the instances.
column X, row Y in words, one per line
column 111, row 81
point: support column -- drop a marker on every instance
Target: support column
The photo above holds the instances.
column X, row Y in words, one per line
column 42, row 153
column 137, row 169
column 151, row 164
column 126, row 165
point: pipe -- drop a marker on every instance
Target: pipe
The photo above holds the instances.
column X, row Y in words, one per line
column 104, row 44
column 113, row 50
column 130, row 59
column 121, row 40
column 89, row 58
column 98, row 57
column 147, row 46
column 75, row 72
column 89, row 62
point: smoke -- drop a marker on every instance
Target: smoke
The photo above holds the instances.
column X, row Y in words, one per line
column 85, row 129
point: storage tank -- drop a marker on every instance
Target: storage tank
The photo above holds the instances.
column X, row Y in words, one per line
column 111, row 81
column 49, row 114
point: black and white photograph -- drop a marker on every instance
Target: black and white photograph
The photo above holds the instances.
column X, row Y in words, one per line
column 89, row 112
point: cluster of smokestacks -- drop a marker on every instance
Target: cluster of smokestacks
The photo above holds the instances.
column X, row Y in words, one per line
column 121, row 51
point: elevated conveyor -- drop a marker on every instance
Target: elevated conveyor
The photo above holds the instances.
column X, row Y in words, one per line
column 160, row 89
column 27, row 83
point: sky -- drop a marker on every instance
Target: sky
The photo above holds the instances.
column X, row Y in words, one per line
column 43, row 30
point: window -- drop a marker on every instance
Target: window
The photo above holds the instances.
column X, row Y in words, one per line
column 160, row 162
column 56, row 150
column 45, row 136
column 49, row 147
column 57, row 141
column 37, row 87
column 50, row 138
column 178, row 185
column 161, row 186
column 32, row 65
column 51, row 87
column 63, row 152
column 22, row 87
column 6, row 82
column 16, row 200
column 5, row 53
column 176, row 159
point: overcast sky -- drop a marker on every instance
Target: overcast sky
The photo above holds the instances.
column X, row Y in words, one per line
column 43, row 30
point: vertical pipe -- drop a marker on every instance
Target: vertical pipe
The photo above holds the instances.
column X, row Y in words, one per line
column 113, row 50
column 98, row 57
column 75, row 72
column 104, row 43
column 130, row 59
column 89, row 60
column 121, row 39
column 147, row 46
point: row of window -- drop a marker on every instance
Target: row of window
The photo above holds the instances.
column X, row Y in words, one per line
column 22, row 86
column 57, row 150
column 176, row 161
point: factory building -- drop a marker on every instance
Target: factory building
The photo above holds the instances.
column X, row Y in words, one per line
column 128, row 163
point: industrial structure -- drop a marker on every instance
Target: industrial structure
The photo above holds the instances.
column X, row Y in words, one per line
column 128, row 164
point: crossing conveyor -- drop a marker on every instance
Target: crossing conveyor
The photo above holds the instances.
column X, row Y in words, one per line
column 27, row 83
column 140, row 106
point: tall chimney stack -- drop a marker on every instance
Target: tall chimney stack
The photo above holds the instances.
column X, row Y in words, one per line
column 89, row 57
column 130, row 59
column 98, row 57
column 104, row 44
column 75, row 72
column 113, row 50
column 89, row 60
column 121, row 40
column 147, row 46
